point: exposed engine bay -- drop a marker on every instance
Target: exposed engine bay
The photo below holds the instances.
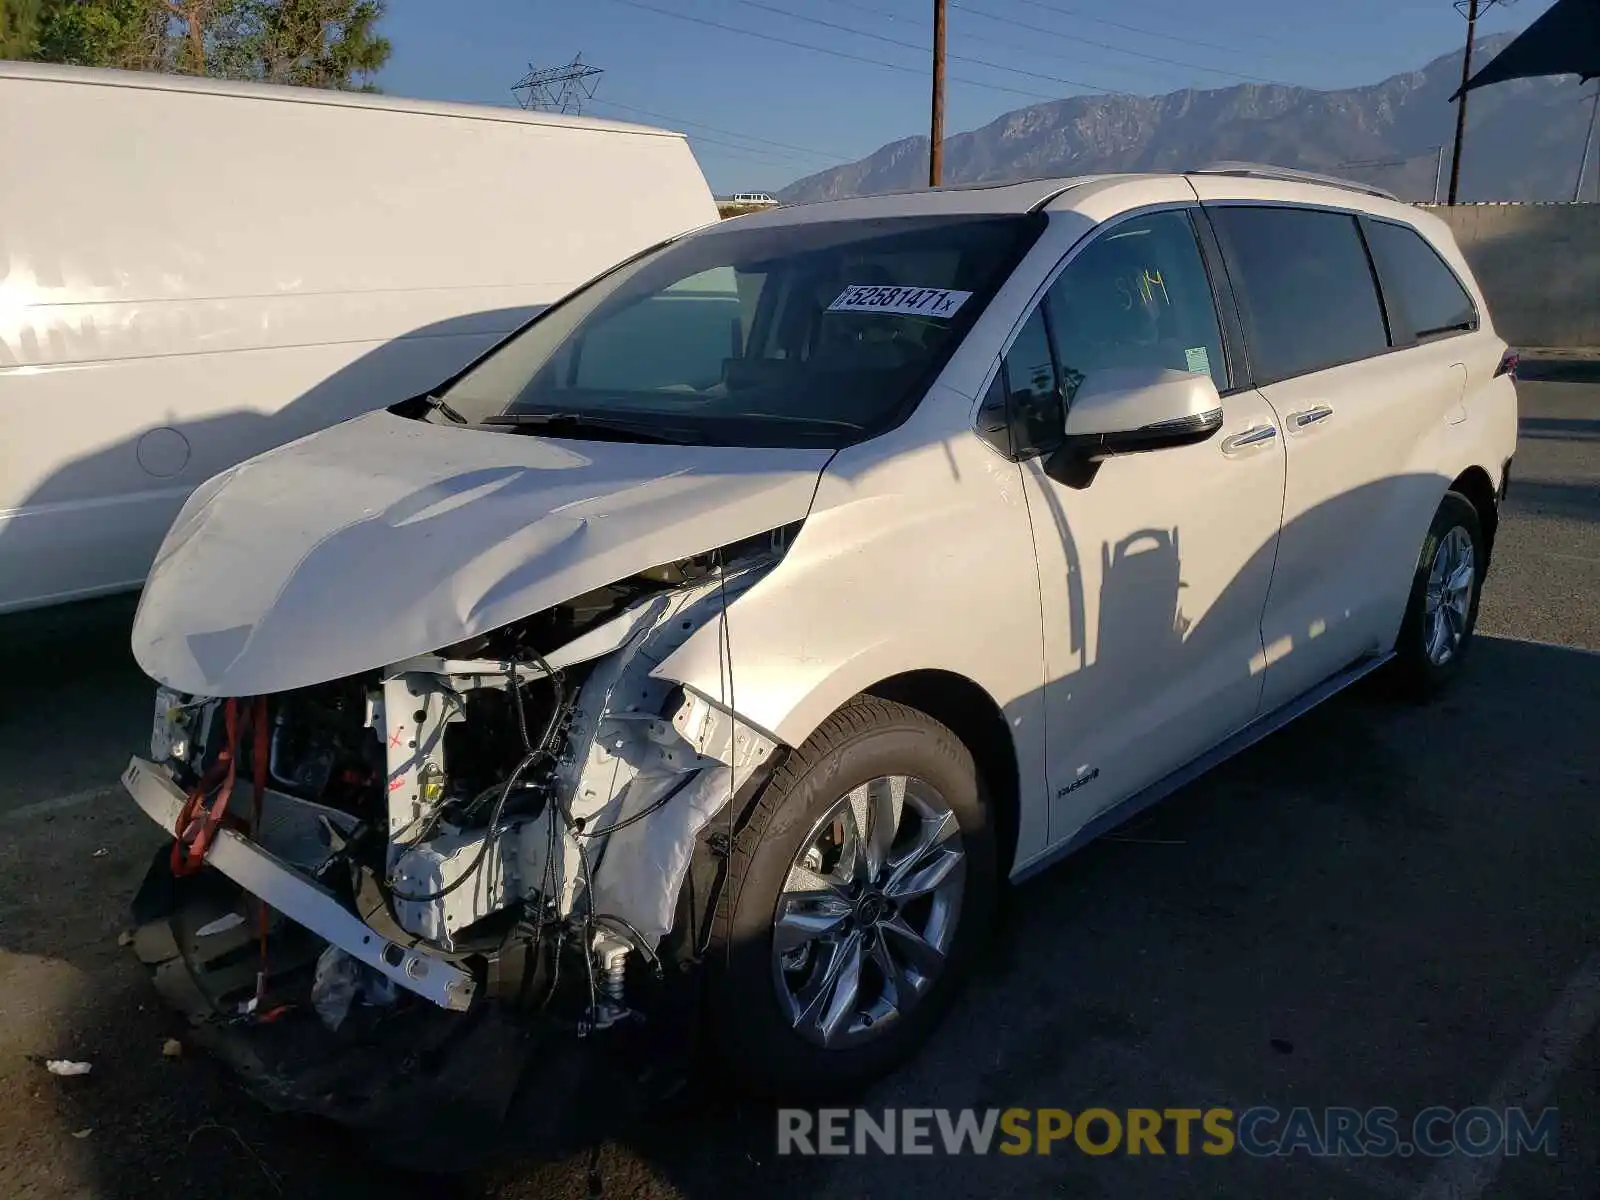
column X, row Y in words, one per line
column 506, row 822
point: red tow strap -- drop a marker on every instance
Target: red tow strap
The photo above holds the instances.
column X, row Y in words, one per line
column 197, row 823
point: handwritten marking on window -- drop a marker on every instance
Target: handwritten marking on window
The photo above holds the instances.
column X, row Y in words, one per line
column 1142, row 288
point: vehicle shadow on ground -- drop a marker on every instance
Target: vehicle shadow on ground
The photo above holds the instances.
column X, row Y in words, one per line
column 1540, row 367
column 1573, row 500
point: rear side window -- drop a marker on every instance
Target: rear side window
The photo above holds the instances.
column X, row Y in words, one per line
column 1305, row 289
column 1425, row 297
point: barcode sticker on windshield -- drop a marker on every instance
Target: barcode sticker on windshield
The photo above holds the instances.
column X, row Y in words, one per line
column 910, row 301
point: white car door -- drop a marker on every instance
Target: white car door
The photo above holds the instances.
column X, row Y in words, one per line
column 1153, row 576
column 1353, row 411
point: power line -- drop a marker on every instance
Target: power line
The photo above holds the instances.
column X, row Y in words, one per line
column 878, row 37
column 755, row 153
column 1166, row 37
column 1004, row 44
column 1083, row 41
column 783, row 12
column 765, row 157
column 920, row 72
column 749, row 137
column 793, row 158
column 1249, row 35
column 771, row 158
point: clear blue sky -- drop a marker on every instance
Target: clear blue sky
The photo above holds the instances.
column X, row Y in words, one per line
column 764, row 111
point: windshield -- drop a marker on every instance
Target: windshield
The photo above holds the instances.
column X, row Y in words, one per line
column 795, row 335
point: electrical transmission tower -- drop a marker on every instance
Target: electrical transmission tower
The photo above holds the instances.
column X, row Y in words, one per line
column 560, row 89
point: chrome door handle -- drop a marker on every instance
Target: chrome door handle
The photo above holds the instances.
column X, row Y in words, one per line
column 1250, row 437
column 1310, row 416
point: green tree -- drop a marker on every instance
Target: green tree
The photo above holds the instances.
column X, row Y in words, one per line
column 19, row 28
column 98, row 33
column 188, row 22
column 309, row 43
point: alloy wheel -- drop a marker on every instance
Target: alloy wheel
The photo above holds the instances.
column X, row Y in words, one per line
column 868, row 911
column 1449, row 596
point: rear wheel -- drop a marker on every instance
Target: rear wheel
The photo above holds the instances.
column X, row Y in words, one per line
column 858, row 892
column 1442, row 613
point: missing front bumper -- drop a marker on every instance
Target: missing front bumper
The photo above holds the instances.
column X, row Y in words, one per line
column 424, row 1087
column 301, row 899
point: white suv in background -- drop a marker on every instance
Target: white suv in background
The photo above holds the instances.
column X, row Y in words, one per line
column 766, row 603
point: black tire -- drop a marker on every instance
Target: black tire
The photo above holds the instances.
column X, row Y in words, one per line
column 1418, row 677
column 752, row 1036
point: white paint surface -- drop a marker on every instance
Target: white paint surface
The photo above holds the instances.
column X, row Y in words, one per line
column 192, row 272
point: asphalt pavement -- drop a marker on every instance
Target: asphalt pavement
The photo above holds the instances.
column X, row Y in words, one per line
column 1383, row 905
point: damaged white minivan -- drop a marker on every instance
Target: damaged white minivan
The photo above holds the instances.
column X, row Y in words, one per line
column 694, row 667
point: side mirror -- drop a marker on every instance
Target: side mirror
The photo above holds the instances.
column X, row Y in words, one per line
column 1130, row 410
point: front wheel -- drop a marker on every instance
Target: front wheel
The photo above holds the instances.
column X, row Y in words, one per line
column 1442, row 612
column 857, row 894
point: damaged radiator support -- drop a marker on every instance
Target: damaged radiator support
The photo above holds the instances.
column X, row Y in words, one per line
column 589, row 839
column 645, row 764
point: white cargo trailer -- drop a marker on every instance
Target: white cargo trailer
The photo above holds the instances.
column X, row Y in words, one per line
column 192, row 272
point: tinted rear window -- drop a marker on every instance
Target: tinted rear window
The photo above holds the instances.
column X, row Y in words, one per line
column 1305, row 289
column 1426, row 297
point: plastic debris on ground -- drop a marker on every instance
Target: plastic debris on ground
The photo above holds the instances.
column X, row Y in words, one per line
column 341, row 981
column 172, row 1048
column 65, row 1066
column 221, row 925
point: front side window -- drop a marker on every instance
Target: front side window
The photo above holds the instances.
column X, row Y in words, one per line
column 1138, row 296
column 1032, row 396
column 1420, row 286
column 803, row 335
column 1305, row 289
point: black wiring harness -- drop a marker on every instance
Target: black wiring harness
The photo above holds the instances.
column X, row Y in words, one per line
column 533, row 756
column 573, row 826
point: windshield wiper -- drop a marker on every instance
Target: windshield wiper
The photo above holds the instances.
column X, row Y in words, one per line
column 441, row 405
column 801, row 419
column 572, row 424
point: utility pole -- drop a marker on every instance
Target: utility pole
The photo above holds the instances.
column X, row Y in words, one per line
column 936, row 132
column 1461, row 105
column 1583, row 163
column 1438, row 172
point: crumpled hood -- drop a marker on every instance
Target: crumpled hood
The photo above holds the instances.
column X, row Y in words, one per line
column 383, row 538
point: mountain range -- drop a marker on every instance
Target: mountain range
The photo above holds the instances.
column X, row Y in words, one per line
column 1524, row 137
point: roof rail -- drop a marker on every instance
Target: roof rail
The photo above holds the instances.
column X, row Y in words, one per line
column 1290, row 175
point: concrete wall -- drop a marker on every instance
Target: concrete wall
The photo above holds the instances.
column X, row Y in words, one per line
column 1538, row 265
